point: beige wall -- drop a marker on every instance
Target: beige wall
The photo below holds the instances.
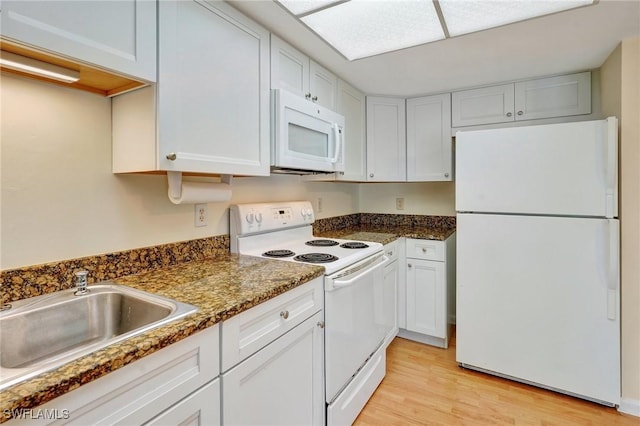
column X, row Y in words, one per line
column 621, row 97
column 432, row 198
column 59, row 199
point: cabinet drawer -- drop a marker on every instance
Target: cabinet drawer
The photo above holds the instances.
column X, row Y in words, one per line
column 391, row 251
column 248, row 332
column 426, row 249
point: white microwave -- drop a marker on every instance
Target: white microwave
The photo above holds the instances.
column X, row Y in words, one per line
column 306, row 137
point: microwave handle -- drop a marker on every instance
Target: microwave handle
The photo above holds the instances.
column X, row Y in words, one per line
column 337, row 137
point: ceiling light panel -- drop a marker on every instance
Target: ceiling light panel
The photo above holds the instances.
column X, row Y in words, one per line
column 361, row 28
column 466, row 16
column 299, row 7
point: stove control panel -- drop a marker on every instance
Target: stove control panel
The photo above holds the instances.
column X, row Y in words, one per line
column 261, row 217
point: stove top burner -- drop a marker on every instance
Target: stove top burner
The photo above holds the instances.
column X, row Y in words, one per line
column 354, row 245
column 321, row 243
column 278, row 253
column 316, row 258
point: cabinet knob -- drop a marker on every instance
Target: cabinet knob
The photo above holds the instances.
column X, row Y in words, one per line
column 370, row 174
column 409, row 265
column 390, row 253
column 314, row 99
column 171, row 156
column 307, row 96
column 509, row 114
column 520, row 112
column 284, row 314
column 321, row 324
column 446, row 175
column 424, row 249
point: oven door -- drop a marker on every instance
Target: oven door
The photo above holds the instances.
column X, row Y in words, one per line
column 354, row 328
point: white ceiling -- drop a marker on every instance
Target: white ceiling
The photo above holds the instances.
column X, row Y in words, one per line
column 574, row 40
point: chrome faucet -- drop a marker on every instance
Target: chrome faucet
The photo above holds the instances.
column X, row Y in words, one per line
column 81, row 283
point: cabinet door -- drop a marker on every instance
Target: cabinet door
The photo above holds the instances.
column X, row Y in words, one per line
column 213, row 90
column 390, row 300
column 200, row 408
column 282, row 384
column 426, row 297
column 386, row 141
column 289, row 68
column 116, row 35
column 429, row 138
column 482, row 106
column 553, row 96
column 351, row 104
column 323, row 85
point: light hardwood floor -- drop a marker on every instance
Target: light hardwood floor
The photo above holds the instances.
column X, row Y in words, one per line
column 425, row 386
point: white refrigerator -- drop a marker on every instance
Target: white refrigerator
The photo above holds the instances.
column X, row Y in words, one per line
column 538, row 291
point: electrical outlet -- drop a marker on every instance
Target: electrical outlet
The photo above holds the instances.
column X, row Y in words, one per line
column 319, row 204
column 200, row 215
column 400, row 203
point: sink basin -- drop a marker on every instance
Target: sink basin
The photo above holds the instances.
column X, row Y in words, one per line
column 44, row 332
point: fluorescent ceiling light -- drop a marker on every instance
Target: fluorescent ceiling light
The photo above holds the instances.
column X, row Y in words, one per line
column 33, row 66
column 362, row 28
column 467, row 16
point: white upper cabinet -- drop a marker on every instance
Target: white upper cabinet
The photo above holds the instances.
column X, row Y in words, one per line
column 386, row 139
column 482, row 106
column 553, row 97
column 294, row 71
column 526, row 100
column 209, row 112
column 119, row 36
column 429, row 150
column 351, row 103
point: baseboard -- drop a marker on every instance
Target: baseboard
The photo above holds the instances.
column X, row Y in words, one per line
column 630, row 406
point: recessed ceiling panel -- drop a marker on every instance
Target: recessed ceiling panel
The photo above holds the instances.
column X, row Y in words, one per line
column 361, row 28
column 466, row 16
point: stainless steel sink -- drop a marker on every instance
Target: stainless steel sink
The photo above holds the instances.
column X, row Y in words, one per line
column 45, row 332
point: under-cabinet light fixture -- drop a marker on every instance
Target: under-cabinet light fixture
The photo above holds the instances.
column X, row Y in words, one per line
column 361, row 28
column 36, row 67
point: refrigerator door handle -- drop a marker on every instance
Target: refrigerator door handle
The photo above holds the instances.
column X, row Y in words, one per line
column 612, row 169
column 613, row 264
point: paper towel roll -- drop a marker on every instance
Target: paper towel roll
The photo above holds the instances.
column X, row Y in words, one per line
column 196, row 192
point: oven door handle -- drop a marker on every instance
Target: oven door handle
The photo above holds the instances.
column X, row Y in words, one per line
column 366, row 268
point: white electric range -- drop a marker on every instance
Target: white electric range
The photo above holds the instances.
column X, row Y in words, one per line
column 355, row 323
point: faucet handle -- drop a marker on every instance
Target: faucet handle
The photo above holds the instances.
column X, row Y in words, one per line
column 81, row 283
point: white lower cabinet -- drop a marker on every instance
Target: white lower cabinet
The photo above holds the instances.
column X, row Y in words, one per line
column 200, row 408
column 282, row 384
column 429, row 299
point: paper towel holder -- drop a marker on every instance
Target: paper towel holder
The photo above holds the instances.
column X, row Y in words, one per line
column 175, row 192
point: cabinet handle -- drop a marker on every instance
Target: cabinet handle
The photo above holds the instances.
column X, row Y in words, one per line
column 307, row 96
column 321, row 324
column 520, row 112
column 370, row 174
column 390, row 253
column 509, row 114
column 446, row 175
column 314, row 99
column 409, row 265
column 171, row 156
column 284, row 314
column 424, row 249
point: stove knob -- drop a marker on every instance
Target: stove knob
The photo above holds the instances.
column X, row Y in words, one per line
column 259, row 217
column 250, row 218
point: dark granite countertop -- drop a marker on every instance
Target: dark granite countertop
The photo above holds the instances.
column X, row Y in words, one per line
column 388, row 233
column 221, row 288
